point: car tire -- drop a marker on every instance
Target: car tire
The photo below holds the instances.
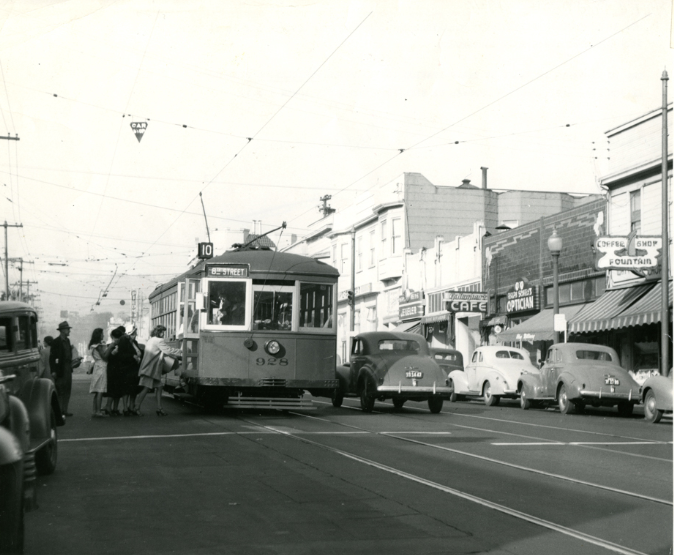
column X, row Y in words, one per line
column 625, row 409
column 47, row 457
column 565, row 405
column 337, row 398
column 366, row 398
column 651, row 413
column 489, row 399
column 435, row 404
column 11, row 509
column 525, row 403
column 398, row 403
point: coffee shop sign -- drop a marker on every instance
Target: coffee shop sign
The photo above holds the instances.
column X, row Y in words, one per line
column 460, row 301
column 627, row 253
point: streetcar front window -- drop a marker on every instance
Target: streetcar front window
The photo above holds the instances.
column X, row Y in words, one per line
column 227, row 303
column 316, row 305
column 272, row 310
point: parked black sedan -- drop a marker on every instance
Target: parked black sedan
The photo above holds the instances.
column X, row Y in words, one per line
column 392, row 365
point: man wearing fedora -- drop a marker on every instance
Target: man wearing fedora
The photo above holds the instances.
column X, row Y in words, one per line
column 61, row 365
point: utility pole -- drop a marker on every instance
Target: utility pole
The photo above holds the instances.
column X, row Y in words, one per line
column 664, row 319
column 6, row 225
column 22, row 262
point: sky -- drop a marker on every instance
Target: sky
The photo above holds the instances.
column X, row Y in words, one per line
column 259, row 108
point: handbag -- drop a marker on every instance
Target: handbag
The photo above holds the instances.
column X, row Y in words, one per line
column 168, row 363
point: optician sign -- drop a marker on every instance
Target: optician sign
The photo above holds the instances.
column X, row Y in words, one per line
column 627, row 253
column 461, row 301
column 522, row 298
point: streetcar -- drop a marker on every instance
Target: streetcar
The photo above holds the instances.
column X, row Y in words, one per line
column 257, row 329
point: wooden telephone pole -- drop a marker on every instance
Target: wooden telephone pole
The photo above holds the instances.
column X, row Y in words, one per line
column 6, row 225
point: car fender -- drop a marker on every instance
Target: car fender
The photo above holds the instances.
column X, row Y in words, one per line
column 10, row 448
column 529, row 382
column 19, row 422
column 662, row 388
column 572, row 385
column 459, row 382
column 40, row 398
column 496, row 381
column 366, row 373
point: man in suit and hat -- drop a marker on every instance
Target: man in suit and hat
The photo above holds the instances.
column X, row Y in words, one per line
column 61, row 366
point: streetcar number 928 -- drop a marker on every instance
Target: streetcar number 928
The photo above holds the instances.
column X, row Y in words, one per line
column 260, row 361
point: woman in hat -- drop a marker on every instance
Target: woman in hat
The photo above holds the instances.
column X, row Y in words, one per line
column 156, row 350
column 121, row 364
column 100, row 353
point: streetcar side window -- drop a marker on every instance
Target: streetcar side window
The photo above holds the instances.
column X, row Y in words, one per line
column 316, row 305
column 226, row 301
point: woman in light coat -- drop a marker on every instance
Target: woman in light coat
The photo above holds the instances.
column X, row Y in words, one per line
column 150, row 371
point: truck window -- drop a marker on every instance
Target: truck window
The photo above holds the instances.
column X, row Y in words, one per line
column 24, row 333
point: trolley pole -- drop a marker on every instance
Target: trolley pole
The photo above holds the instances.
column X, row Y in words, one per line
column 664, row 325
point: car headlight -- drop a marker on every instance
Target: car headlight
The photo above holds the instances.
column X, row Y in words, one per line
column 272, row 347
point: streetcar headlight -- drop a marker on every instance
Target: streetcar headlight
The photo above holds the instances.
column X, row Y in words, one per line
column 272, row 347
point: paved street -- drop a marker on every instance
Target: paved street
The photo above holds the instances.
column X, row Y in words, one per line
column 469, row 480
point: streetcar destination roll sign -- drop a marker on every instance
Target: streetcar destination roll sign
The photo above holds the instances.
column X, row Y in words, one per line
column 227, row 270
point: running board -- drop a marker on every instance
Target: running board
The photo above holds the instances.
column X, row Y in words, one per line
column 273, row 403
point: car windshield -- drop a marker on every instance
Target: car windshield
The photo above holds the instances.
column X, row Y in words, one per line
column 398, row 345
column 594, row 355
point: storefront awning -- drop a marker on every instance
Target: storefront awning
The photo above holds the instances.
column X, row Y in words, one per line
column 413, row 326
column 496, row 321
column 539, row 327
column 647, row 310
column 598, row 315
column 432, row 318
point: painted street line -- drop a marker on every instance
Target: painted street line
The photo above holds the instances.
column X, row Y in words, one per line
column 484, row 502
column 588, row 443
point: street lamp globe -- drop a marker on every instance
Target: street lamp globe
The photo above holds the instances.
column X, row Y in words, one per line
column 555, row 243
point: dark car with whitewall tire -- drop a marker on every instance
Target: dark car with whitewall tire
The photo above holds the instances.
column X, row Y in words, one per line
column 575, row 375
column 29, row 416
column 392, row 365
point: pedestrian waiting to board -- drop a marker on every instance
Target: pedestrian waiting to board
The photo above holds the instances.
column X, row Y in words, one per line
column 132, row 377
column 121, row 357
column 99, row 380
column 157, row 356
column 61, row 364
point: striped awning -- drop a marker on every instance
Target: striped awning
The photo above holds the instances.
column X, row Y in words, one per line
column 647, row 310
column 413, row 326
column 539, row 327
column 597, row 316
column 433, row 318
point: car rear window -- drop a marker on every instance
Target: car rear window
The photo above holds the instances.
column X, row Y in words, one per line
column 398, row 345
column 594, row 355
column 444, row 356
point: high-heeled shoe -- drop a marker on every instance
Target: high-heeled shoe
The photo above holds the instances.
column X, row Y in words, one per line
column 162, row 412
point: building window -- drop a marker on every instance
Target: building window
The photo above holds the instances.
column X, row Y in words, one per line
column 383, row 252
column 345, row 258
column 577, row 292
column 359, row 253
column 635, row 211
column 334, row 255
column 372, row 248
column 396, row 236
column 356, row 321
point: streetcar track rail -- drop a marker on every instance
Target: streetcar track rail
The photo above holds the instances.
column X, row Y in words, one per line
column 588, row 538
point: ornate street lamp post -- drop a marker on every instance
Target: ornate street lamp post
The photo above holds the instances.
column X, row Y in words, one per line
column 555, row 247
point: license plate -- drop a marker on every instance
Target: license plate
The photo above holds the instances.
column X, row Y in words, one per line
column 612, row 381
column 414, row 374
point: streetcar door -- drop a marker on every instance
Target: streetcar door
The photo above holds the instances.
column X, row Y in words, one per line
column 191, row 326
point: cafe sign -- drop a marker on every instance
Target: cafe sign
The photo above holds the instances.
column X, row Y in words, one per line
column 627, row 253
column 522, row 298
column 462, row 301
